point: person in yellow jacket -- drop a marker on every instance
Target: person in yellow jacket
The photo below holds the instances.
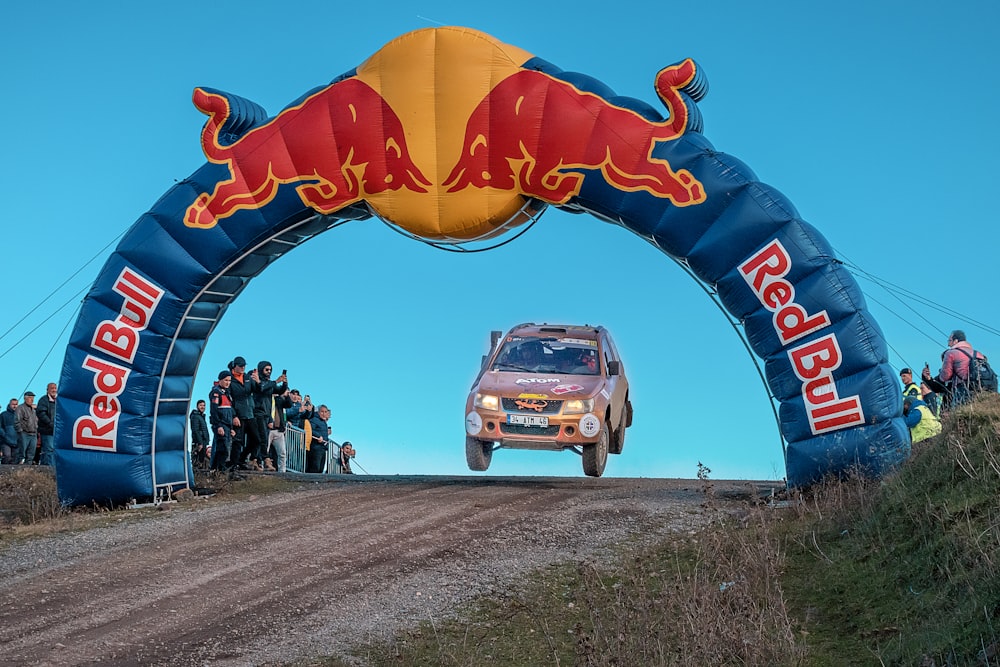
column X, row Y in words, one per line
column 910, row 387
column 919, row 418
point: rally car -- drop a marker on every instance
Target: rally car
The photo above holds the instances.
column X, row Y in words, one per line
column 549, row 387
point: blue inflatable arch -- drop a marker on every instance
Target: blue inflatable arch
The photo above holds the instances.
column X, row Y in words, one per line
column 534, row 136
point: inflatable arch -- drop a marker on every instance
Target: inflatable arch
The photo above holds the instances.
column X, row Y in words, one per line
column 453, row 136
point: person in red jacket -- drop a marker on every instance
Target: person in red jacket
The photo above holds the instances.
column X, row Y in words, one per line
column 953, row 378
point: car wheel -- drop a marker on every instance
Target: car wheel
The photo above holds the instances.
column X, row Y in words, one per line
column 478, row 454
column 617, row 440
column 595, row 456
column 618, row 435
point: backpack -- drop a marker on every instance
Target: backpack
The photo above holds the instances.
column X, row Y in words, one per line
column 982, row 377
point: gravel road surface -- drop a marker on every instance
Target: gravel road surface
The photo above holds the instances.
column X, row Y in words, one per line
column 287, row 576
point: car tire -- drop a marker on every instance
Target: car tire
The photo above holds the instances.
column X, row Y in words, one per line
column 478, row 453
column 617, row 440
column 618, row 435
column 595, row 456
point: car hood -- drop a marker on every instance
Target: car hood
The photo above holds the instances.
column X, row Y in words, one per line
column 541, row 385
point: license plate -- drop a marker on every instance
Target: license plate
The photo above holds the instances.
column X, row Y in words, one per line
column 527, row 420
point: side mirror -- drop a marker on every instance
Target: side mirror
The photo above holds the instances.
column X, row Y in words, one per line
column 614, row 367
column 483, row 362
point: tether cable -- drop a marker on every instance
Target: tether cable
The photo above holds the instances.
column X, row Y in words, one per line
column 896, row 290
column 456, row 247
column 49, row 353
column 39, row 325
column 53, row 292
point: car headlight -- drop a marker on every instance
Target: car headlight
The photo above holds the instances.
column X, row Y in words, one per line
column 578, row 406
column 487, row 401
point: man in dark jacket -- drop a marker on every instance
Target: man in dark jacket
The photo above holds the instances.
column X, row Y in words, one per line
column 27, row 429
column 46, row 413
column 263, row 409
column 8, row 432
column 221, row 416
column 241, row 390
column 316, row 458
column 199, row 436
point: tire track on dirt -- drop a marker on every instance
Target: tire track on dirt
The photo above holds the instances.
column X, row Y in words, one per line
column 275, row 578
column 249, row 572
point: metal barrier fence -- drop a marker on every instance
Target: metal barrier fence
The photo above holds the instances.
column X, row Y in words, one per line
column 295, row 446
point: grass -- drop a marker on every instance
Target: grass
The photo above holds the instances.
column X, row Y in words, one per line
column 906, row 572
column 901, row 571
column 30, row 507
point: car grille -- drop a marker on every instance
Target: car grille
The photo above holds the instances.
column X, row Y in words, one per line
column 550, row 407
column 516, row 429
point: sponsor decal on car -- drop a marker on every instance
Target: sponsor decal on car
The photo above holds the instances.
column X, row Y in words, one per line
column 561, row 389
column 578, row 341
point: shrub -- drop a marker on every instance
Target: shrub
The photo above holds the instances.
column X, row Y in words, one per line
column 29, row 496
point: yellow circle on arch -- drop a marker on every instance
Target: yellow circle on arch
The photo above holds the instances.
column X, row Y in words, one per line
column 433, row 79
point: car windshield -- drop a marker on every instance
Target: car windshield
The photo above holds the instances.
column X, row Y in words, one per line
column 567, row 356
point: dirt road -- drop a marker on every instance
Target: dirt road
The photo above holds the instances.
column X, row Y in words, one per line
column 311, row 572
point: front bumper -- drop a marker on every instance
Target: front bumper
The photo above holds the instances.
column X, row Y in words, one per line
column 556, row 433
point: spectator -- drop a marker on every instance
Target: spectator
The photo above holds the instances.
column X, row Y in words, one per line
column 200, row 441
column 930, row 399
column 923, row 392
column 346, row 454
column 46, row 413
column 263, row 408
column 953, row 378
column 276, row 428
column 27, row 429
column 222, row 418
column 910, row 387
column 920, row 420
column 297, row 413
column 316, row 458
column 9, row 440
column 247, row 438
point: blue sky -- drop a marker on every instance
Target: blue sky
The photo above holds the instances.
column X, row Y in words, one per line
column 877, row 120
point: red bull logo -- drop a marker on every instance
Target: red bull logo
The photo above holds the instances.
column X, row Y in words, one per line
column 507, row 147
column 813, row 362
column 118, row 338
column 326, row 145
column 462, row 165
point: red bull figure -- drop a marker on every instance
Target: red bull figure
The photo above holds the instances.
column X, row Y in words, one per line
column 341, row 145
column 534, row 133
